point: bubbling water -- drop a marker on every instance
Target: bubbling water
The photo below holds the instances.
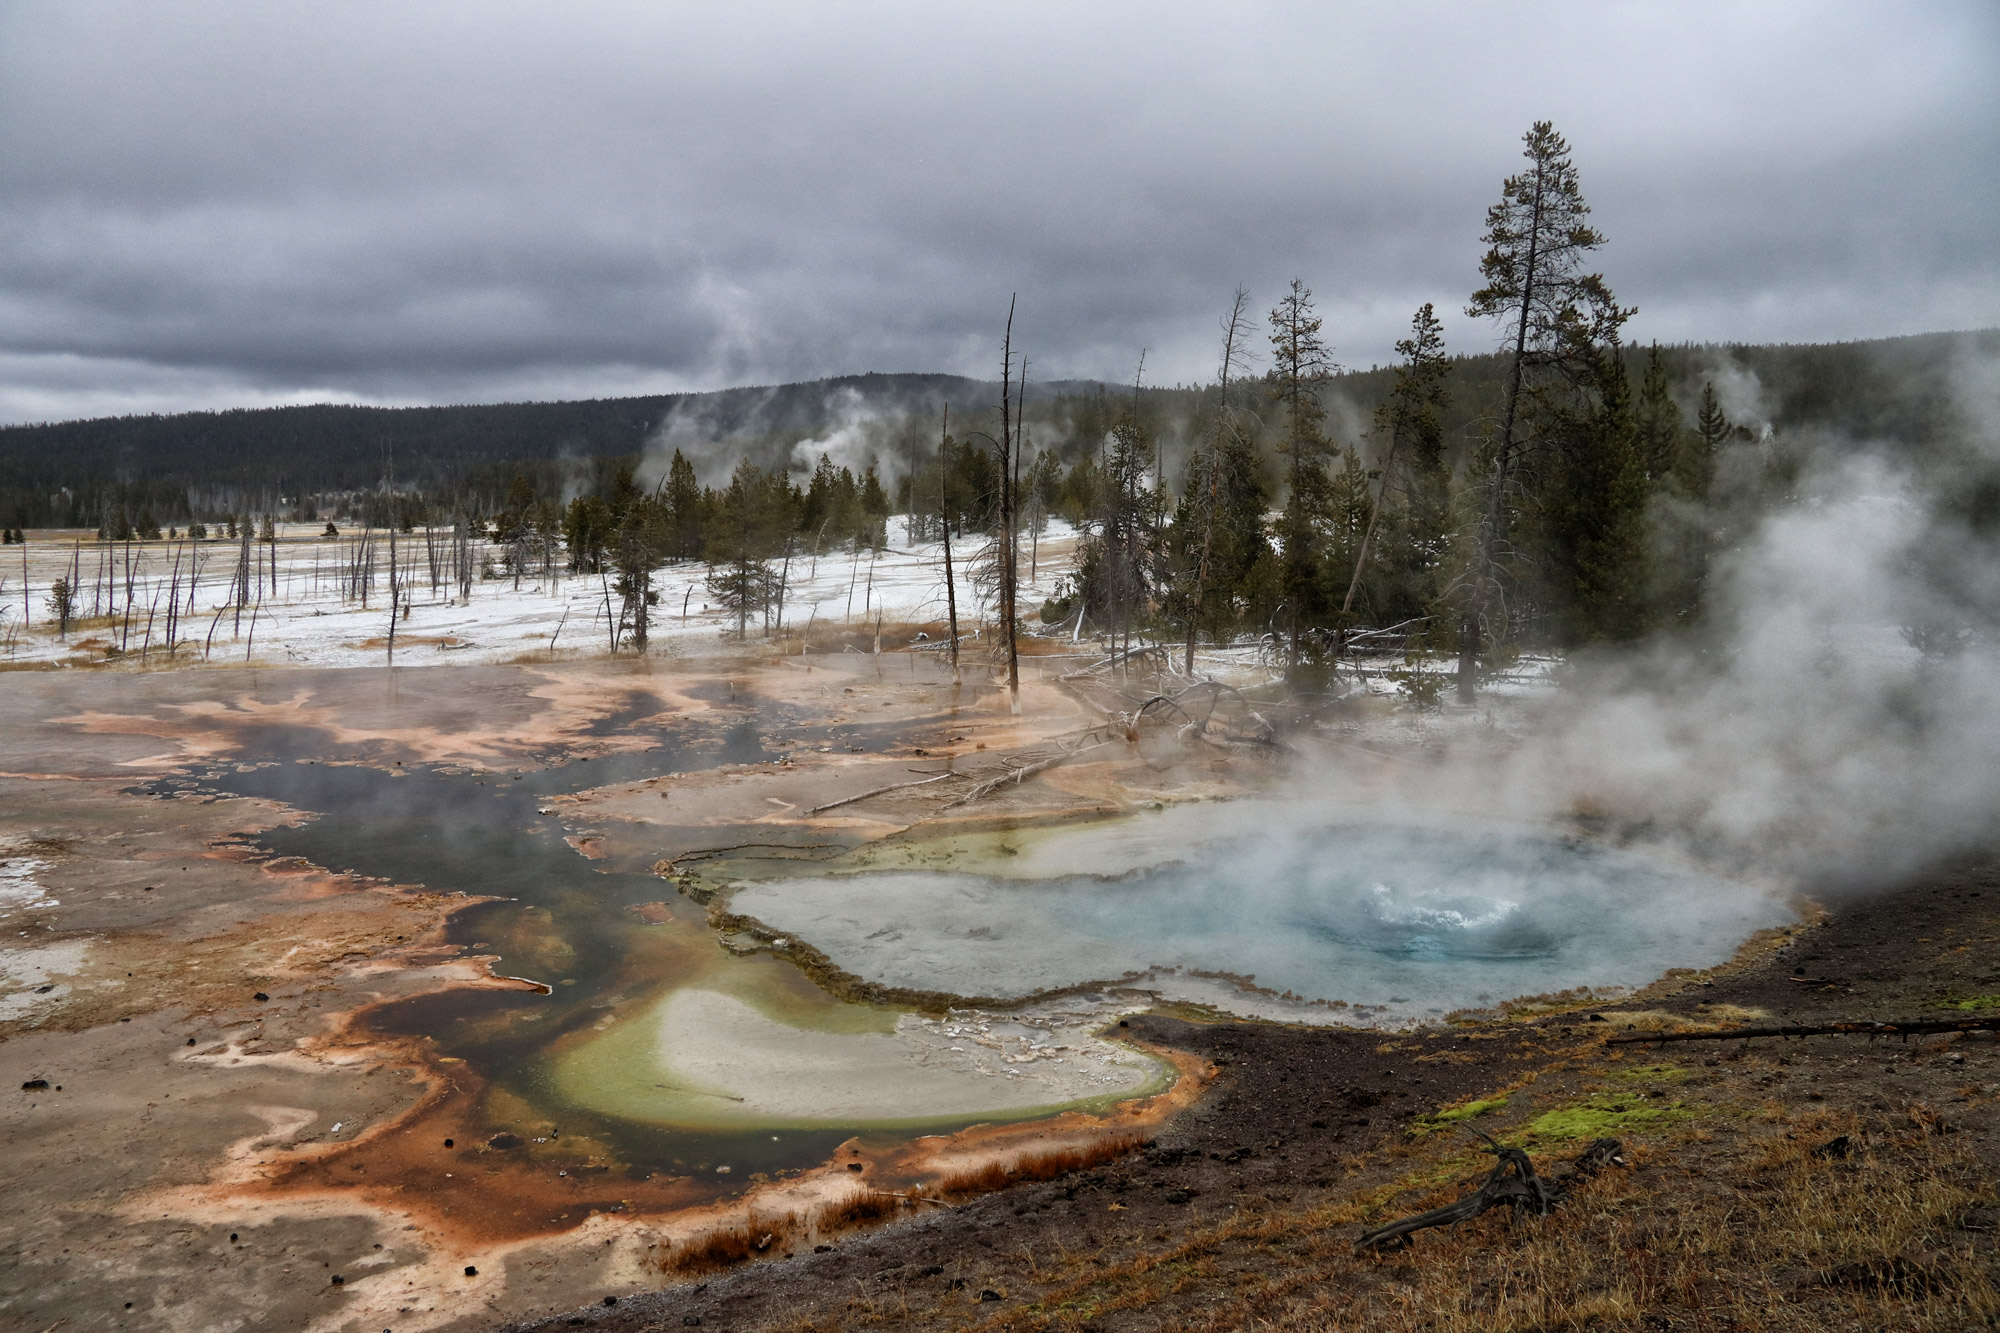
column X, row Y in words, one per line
column 1408, row 918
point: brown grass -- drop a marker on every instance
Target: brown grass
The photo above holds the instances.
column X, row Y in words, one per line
column 729, row 1245
column 1049, row 1165
column 1733, row 1224
column 859, row 1209
column 1762, row 1236
column 725, row 1247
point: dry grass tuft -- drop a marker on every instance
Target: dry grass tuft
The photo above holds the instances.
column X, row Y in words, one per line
column 860, row 1208
column 1767, row 1232
column 724, row 1247
column 1043, row 1166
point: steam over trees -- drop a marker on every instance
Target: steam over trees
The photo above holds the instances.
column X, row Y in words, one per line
column 1566, row 490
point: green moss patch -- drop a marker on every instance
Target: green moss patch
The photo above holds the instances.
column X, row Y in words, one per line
column 1608, row 1114
column 1973, row 1004
column 1454, row 1114
column 1654, row 1074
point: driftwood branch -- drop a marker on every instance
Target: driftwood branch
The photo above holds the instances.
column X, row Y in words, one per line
column 1854, row 1028
column 1116, row 659
column 1025, row 771
column 877, row 791
column 1513, row 1183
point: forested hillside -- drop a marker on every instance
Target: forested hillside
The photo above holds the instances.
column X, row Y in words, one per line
column 206, row 465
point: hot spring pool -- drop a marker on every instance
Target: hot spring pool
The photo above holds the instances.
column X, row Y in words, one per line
column 1240, row 905
column 678, row 1055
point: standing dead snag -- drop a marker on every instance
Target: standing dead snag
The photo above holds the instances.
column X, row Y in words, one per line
column 1006, row 562
column 944, row 529
column 1512, row 1183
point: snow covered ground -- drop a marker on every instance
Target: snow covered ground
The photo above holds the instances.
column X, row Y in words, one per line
column 308, row 620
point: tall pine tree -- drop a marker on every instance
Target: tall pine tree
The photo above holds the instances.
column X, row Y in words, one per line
column 1557, row 317
column 1300, row 367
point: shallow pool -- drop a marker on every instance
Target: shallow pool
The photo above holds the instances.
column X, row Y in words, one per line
column 1227, row 904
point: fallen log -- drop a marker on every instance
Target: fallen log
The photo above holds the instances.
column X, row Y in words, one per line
column 1025, row 771
column 1901, row 1028
column 877, row 791
column 1512, row 1183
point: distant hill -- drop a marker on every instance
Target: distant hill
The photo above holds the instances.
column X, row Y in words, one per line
column 1896, row 390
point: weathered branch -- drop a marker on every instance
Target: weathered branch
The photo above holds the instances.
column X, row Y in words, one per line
column 1021, row 773
column 1845, row 1028
column 1512, row 1183
column 1115, row 659
column 877, row 791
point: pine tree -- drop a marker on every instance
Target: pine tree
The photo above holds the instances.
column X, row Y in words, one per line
column 1300, row 367
column 1685, row 524
column 1114, row 564
column 1202, row 497
column 644, row 532
column 1041, row 491
column 1412, row 506
column 873, row 509
column 1538, row 237
column 588, row 525
column 1712, row 431
column 1659, row 424
column 684, row 509
column 752, row 518
column 1592, row 512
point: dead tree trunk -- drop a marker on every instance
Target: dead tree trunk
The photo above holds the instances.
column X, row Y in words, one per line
column 1006, row 561
column 1513, row 1183
column 944, row 521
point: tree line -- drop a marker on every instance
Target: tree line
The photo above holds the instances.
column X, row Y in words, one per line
column 1566, row 490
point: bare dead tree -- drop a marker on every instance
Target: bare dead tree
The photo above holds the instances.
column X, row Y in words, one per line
column 395, row 592
column 1006, row 564
column 1232, row 330
column 944, row 522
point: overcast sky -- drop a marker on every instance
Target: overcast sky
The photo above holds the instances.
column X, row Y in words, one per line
column 208, row 205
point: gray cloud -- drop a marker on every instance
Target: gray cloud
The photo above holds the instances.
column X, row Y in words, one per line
column 214, row 204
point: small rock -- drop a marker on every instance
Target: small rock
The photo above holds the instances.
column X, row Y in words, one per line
column 502, row 1142
column 34, row 1085
column 822, row 1249
column 611, row 1300
column 447, row 1143
column 932, row 1270
column 988, row 1294
column 854, row 1166
column 470, row 1271
column 338, row 1279
column 1179, row 1196
column 690, row 1321
column 260, row 995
